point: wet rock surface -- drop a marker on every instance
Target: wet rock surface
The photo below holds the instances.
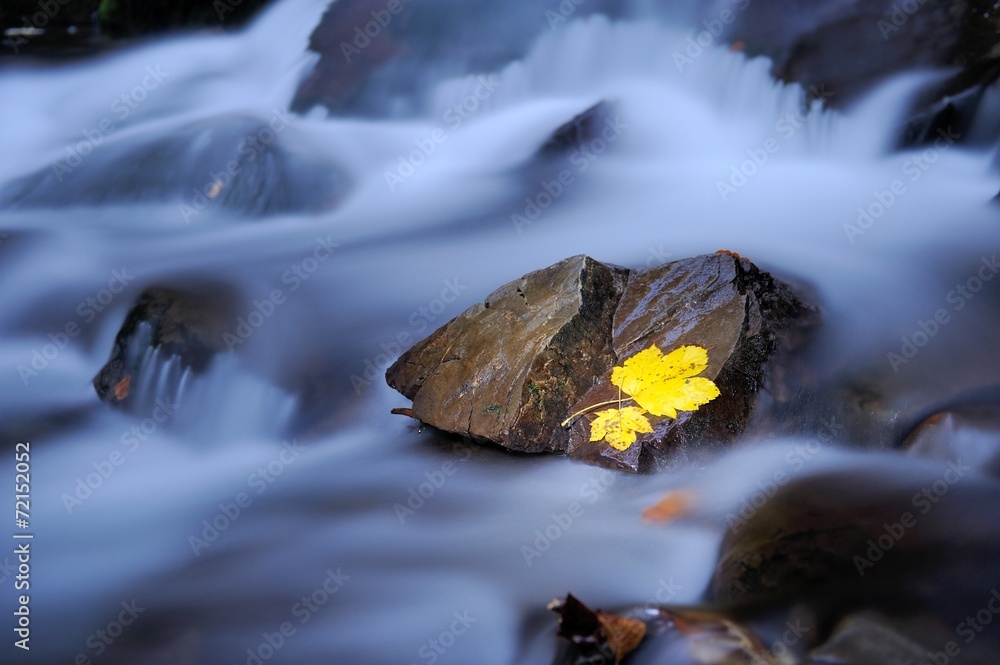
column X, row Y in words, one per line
column 969, row 434
column 722, row 302
column 233, row 164
column 511, row 369
column 188, row 323
column 847, row 541
column 572, row 135
column 129, row 18
column 372, row 48
column 844, row 48
column 847, row 566
column 867, row 637
column 506, row 369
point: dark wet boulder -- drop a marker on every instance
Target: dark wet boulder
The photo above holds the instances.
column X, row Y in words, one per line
column 240, row 165
column 963, row 108
column 511, row 369
column 875, row 538
column 371, row 50
column 845, row 48
column 38, row 29
column 348, row 54
column 188, row 324
column 868, row 637
column 131, row 18
column 577, row 132
column 848, row 46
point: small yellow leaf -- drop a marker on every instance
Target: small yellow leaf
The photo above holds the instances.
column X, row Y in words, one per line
column 619, row 426
column 662, row 384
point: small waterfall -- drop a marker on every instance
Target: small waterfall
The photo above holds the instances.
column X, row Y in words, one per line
column 225, row 402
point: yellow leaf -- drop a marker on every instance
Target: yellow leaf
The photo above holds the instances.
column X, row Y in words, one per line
column 663, row 384
column 619, row 426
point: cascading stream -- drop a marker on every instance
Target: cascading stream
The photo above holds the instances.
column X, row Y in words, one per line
column 222, row 529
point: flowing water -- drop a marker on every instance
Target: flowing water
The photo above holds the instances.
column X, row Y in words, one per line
column 373, row 542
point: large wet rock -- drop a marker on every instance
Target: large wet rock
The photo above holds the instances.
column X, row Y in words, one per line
column 512, row 368
column 721, row 302
column 507, row 369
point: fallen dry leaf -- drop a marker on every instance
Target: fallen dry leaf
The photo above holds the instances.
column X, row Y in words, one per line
column 622, row 634
column 609, row 633
column 673, row 505
column 121, row 388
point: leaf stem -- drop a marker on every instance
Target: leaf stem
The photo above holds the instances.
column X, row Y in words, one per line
column 592, row 407
column 621, row 425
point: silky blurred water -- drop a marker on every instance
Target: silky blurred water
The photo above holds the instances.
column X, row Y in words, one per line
column 374, row 542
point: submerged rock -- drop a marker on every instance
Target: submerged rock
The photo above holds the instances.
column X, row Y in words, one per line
column 883, row 561
column 511, row 369
column 240, row 165
column 867, row 637
column 880, row 538
column 969, row 434
column 577, row 132
column 183, row 323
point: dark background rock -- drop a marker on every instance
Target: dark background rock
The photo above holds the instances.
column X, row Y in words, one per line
column 427, row 42
column 846, row 47
column 131, row 18
column 344, row 66
column 801, row 548
column 186, row 322
column 191, row 166
column 67, row 29
column 511, row 369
